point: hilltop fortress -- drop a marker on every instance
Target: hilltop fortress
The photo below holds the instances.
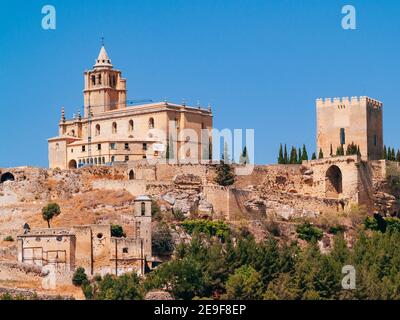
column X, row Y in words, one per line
column 99, row 171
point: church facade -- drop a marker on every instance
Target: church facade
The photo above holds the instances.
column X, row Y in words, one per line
column 110, row 131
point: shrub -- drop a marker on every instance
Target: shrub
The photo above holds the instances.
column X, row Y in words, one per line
column 79, row 277
column 210, row 228
column 162, row 243
column 117, row 231
column 308, row 232
column 9, row 239
column 179, row 215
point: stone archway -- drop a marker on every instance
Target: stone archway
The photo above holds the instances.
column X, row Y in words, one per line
column 131, row 175
column 72, row 164
column 8, row 176
column 333, row 182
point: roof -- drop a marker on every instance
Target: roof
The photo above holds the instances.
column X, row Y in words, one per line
column 142, row 198
column 47, row 232
column 103, row 60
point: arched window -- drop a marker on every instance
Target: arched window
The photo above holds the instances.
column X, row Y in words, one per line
column 99, row 79
column 73, row 132
column 99, row 161
column 91, row 160
column 131, row 175
column 72, row 164
column 143, row 208
column 112, row 159
column 93, row 80
column 95, row 161
column 114, row 127
column 130, row 125
column 103, row 160
column 333, row 182
column 97, row 129
column 151, row 123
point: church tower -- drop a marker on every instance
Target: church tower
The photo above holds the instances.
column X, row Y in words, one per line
column 105, row 89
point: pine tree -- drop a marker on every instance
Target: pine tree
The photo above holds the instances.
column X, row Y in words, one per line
column 280, row 156
column 293, row 156
column 304, row 153
column 313, row 156
column 300, row 156
column 398, row 156
column 384, row 155
column 321, row 154
column 389, row 153
column 285, row 156
column 393, row 155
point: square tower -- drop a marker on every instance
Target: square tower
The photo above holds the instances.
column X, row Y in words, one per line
column 143, row 223
column 343, row 121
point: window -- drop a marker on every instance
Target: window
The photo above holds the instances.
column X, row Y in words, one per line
column 144, row 146
column 114, row 127
column 126, row 146
column 113, row 146
column 112, row 159
column 83, row 148
column 99, row 146
column 99, row 235
column 103, row 160
column 130, row 125
column 93, row 80
column 97, row 129
column 143, row 208
column 125, row 250
column 99, row 79
column 144, row 157
column 72, row 150
column 73, row 133
column 95, row 160
column 126, row 158
column 151, row 123
column 342, row 136
column 99, row 161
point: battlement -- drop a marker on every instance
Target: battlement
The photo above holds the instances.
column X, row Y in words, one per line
column 348, row 102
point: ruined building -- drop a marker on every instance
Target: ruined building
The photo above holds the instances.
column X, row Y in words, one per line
column 111, row 131
column 91, row 246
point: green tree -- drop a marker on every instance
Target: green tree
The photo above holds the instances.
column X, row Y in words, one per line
column 308, row 232
column 117, row 231
column 244, row 157
column 313, row 156
column 79, row 277
column 50, row 211
column 244, row 284
column 285, row 156
column 293, row 156
column 331, row 151
column 280, row 155
column 225, row 174
column 321, row 154
column 299, row 156
column 384, row 153
column 304, row 155
column 398, row 156
column 162, row 242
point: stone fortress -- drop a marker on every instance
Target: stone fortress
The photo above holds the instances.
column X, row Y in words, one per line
column 108, row 149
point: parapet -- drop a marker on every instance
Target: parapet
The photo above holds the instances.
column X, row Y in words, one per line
column 346, row 101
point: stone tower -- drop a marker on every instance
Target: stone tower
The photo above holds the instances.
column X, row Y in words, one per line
column 344, row 121
column 105, row 89
column 143, row 223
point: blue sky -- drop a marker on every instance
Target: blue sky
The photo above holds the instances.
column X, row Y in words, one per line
column 261, row 64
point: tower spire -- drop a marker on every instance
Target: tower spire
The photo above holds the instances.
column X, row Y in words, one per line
column 103, row 61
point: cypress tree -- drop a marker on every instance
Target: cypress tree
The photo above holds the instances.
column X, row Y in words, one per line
column 285, row 156
column 300, row 156
column 280, row 156
column 384, row 154
column 244, row 158
column 313, row 156
column 293, row 156
column 321, row 154
column 225, row 174
column 358, row 151
column 331, row 152
column 393, row 155
column 398, row 156
column 305, row 154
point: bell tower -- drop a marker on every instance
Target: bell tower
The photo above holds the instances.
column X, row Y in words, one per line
column 105, row 89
